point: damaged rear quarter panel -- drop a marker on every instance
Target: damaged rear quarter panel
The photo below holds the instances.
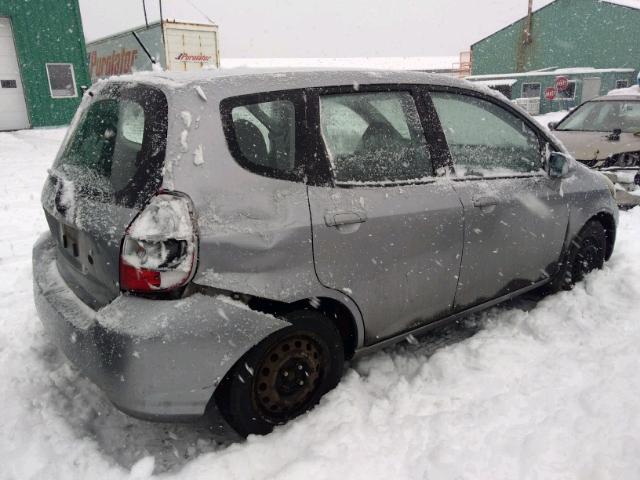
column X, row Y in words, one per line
column 255, row 231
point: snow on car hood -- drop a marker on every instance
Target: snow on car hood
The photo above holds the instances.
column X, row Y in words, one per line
column 596, row 145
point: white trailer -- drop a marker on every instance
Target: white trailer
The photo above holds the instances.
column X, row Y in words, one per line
column 173, row 45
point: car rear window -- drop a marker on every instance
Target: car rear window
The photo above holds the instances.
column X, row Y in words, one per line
column 265, row 131
column 116, row 150
column 265, row 134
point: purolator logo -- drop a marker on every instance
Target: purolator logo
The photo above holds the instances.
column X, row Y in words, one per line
column 115, row 63
column 185, row 57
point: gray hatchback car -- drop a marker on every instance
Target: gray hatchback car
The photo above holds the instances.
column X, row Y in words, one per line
column 221, row 243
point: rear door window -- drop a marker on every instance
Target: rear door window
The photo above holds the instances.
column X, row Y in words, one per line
column 374, row 137
column 116, row 151
column 485, row 139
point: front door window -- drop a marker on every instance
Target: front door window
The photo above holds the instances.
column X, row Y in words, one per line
column 485, row 139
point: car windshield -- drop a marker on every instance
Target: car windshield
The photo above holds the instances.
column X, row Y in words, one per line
column 116, row 150
column 604, row 116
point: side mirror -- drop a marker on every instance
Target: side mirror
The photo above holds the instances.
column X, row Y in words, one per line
column 552, row 125
column 558, row 165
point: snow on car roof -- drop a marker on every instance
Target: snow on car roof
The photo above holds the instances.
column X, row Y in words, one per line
column 274, row 78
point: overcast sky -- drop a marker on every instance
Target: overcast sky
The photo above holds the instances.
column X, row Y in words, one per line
column 323, row 28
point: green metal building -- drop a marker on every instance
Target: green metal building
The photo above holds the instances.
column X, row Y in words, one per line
column 595, row 44
column 42, row 62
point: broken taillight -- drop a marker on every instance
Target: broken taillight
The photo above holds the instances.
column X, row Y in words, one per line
column 160, row 246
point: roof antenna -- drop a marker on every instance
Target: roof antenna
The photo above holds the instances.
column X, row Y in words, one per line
column 144, row 9
column 135, row 35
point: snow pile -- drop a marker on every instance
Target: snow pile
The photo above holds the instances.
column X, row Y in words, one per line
column 547, row 390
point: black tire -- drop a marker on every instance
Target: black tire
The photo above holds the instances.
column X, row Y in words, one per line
column 264, row 387
column 586, row 253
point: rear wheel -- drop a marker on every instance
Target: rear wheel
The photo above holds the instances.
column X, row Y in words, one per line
column 586, row 253
column 284, row 376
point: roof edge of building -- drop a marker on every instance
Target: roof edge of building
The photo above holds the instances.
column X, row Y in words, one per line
column 543, row 73
column 610, row 2
column 140, row 28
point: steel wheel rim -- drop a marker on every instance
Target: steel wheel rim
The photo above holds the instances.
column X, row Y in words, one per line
column 587, row 259
column 287, row 379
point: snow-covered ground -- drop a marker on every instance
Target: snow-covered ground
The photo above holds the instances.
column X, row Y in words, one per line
column 545, row 390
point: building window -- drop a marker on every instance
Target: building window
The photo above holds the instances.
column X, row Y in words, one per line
column 503, row 89
column 568, row 93
column 622, row 83
column 531, row 90
column 62, row 81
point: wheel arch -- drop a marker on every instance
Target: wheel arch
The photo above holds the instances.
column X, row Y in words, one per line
column 219, row 409
column 342, row 317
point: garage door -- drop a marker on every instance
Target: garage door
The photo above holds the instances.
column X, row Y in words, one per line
column 13, row 110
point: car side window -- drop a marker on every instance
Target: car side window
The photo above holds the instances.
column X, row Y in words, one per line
column 374, row 137
column 485, row 139
column 265, row 134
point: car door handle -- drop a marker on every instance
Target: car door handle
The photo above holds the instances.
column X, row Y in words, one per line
column 344, row 218
column 483, row 202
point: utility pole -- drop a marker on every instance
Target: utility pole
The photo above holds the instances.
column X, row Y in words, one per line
column 527, row 29
column 522, row 47
column 144, row 9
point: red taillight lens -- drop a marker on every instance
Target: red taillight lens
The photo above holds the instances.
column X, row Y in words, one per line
column 135, row 279
column 160, row 247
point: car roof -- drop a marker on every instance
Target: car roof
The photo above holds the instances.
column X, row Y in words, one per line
column 281, row 79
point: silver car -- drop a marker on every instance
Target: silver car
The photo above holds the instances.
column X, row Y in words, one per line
column 604, row 134
column 221, row 243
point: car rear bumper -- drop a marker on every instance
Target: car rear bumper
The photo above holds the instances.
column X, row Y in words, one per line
column 154, row 359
